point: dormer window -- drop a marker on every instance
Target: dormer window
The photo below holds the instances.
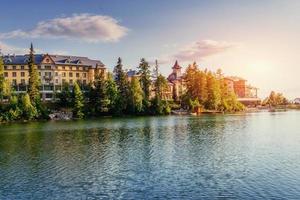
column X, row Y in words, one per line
column 78, row 62
column 47, row 60
column 8, row 60
column 26, row 60
column 67, row 61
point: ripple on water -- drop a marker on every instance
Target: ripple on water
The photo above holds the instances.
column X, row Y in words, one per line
column 252, row 156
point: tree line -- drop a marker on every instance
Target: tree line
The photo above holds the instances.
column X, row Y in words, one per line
column 108, row 94
column 207, row 90
column 115, row 94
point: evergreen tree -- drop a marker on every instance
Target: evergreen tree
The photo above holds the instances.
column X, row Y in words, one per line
column 5, row 87
column 123, row 88
column 112, row 93
column 78, row 102
column 33, row 87
column 100, row 95
column 136, row 96
column 145, row 79
column 65, row 96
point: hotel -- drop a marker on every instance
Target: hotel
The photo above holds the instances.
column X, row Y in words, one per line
column 54, row 71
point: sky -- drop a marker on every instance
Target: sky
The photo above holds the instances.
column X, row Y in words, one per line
column 254, row 39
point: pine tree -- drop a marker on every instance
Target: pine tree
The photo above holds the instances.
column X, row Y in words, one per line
column 123, row 88
column 2, row 79
column 78, row 102
column 65, row 96
column 145, row 79
column 33, row 88
column 100, row 94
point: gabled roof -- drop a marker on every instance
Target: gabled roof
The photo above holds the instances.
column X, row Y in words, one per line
column 57, row 59
column 75, row 60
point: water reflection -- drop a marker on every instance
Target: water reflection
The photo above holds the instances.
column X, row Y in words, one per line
column 226, row 156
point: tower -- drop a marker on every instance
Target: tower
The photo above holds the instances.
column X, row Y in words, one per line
column 176, row 70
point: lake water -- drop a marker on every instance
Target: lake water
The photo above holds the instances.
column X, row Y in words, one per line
column 247, row 156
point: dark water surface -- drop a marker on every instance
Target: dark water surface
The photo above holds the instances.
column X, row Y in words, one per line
column 252, row 156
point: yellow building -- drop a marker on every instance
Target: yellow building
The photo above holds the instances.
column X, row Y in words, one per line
column 54, row 71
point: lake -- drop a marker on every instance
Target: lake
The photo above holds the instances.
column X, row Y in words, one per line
column 242, row 156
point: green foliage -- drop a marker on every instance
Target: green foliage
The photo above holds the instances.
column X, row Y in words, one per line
column 208, row 90
column 161, row 85
column 136, row 97
column 145, row 75
column 78, row 102
column 213, row 92
column 29, row 112
column 123, row 89
column 5, row 88
column 98, row 96
column 33, row 87
column 65, row 96
column 275, row 99
column 112, row 93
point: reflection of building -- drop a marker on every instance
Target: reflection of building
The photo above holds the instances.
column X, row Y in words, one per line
column 176, row 82
column 54, row 70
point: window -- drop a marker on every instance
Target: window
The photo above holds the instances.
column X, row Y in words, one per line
column 14, row 67
column 64, row 74
column 77, row 75
column 14, row 81
column 22, row 74
column 48, row 95
column 39, row 67
column 84, row 82
column 5, row 67
column 71, row 81
column 64, row 81
column 5, row 74
column 47, row 60
column 23, row 81
column 84, row 75
column 70, row 74
column 48, row 67
column 64, row 67
column 48, row 74
column 56, row 73
column 56, row 81
column 14, row 74
column 40, row 74
column 22, row 67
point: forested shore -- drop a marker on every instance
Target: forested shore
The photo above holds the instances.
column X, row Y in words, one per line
column 113, row 94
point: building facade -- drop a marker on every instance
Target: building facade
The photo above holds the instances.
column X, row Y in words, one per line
column 246, row 93
column 54, row 71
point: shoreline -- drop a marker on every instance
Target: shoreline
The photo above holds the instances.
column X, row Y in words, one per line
column 204, row 113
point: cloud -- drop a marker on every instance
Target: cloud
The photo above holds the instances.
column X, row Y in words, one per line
column 201, row 49
column 87, row 27
column 9, row 49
